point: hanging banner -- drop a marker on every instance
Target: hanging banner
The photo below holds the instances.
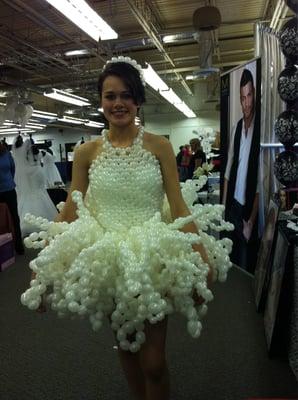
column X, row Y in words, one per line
column 240, row 147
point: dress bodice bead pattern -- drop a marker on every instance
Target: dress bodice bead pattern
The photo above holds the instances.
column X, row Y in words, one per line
column 125, row 185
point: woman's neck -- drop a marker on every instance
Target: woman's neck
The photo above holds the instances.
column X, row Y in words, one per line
column 123, row 135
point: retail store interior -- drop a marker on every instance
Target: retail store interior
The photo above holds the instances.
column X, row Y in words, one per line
column 221, row 93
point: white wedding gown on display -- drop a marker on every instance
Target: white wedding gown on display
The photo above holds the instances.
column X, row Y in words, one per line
column 52, row 175
column 31, row 187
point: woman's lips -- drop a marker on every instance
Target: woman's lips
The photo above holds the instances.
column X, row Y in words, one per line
column 118, row 112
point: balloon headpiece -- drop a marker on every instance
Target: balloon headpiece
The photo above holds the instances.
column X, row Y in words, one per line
column 130, row 61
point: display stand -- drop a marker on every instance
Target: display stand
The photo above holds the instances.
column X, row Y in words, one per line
column 281, row 309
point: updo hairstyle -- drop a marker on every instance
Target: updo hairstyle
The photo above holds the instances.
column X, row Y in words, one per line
column 129, row 75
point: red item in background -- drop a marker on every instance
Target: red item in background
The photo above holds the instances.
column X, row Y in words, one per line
column 7, row 255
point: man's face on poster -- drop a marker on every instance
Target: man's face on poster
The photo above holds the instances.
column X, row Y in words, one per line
column 247, row 96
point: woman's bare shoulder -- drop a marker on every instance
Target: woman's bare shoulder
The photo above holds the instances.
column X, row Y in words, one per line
column 157, row 144
column 88, row 151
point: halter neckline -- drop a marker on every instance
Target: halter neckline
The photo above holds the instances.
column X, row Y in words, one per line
column 138, row 139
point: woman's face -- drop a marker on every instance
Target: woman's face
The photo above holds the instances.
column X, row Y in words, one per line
column 117, row 102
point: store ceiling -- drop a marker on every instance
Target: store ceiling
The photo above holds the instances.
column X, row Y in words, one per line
column 34, row 37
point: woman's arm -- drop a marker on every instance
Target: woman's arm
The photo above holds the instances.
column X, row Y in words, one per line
column 166, row 156
column 80, row 181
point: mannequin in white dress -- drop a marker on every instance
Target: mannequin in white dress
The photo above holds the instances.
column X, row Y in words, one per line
column 31, row 184
column 53, row 177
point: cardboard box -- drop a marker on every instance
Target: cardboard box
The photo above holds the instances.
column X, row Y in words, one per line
column 7, row 254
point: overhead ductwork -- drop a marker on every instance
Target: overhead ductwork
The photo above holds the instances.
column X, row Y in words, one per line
column 205, row 20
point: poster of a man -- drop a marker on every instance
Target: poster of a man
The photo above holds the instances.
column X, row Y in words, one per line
column 240, row 170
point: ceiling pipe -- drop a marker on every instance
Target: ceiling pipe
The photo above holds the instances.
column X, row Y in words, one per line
column 15, row 38
column 152, row 33
column 32, row 56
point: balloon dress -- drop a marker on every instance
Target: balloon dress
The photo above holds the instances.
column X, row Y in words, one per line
column 121, row 257
column 31, row 187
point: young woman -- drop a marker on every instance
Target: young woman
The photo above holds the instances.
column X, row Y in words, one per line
column 118, row 258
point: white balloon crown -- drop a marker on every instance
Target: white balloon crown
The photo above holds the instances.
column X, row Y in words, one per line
column 130, row 61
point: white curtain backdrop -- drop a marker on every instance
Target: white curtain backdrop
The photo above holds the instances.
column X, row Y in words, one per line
column 273, row 62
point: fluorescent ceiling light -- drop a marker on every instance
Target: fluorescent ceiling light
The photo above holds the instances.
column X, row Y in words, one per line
column 94, row 124
column 100, row 109
column 81, row 14
column 31, row 126
column 70, row 120
column 16, row 130
column 75, row 119
column 44, row 115
column 154, row 80
column 169, row 38
column 35, row 122
column 67, row 121
column 65, row 97
column 81, row 52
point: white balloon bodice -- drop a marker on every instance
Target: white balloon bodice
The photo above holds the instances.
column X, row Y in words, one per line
column 125, row 185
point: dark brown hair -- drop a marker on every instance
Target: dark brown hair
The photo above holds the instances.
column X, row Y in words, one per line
column 129, row 75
